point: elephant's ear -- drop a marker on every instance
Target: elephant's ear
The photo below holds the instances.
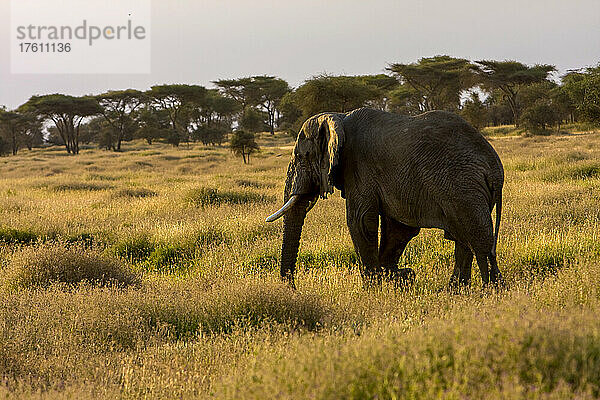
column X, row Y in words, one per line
column 331, row 133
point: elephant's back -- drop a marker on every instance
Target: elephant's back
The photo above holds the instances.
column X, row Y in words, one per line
column 429, row 161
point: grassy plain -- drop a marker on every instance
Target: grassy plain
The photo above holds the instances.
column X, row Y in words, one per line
column 183, row 298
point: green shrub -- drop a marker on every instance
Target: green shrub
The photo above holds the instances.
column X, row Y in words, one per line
column 265, row 262
column 83, row 239
column 167, row 258
column 13, row 236
column 205, row 196
column 135, row 193
column 46, row 264
column 135, row 248
column 79, row 186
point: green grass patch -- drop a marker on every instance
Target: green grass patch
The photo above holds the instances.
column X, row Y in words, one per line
column 206, row 196
column 135, row 193
column 134, row 248
column 80, row 186
column 17, row 236
column 579, row 171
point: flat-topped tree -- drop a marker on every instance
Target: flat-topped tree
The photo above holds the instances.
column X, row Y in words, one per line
column 237, row 89
column 438, row 80
column 267, row 92
column 212, row 118
column 333, row 93
column 262, row 92
column 178, row 101
column 66, row 112
column 509, row 77
column 118, row 109
column 383, row 85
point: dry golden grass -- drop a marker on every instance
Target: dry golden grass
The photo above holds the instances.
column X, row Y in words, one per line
column 209, row 317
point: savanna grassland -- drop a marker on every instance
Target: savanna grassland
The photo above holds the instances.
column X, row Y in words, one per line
column 151, row 274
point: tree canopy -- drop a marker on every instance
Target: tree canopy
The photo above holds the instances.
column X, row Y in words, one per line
column 118, row 109
column 66, row 112
column 509, row 77
column 438, row 80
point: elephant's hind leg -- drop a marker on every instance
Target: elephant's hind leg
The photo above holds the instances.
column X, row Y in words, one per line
column 394, row 238
column 471, row 224
column 463, row 257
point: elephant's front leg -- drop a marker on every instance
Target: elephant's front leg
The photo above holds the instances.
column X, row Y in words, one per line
column 363, row 223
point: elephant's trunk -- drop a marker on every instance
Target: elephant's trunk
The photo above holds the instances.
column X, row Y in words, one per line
column 292, row 228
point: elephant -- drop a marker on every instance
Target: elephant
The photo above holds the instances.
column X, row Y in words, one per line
column 433, row 170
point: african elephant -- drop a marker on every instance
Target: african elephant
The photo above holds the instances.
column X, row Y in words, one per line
column 433, row 170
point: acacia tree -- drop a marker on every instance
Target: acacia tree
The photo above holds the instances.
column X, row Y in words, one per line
column 267, row 92
column 177, row 101
column 438, row 81
column 404, row 99
column 212, row 117
column 66, row 112
column 583, row 89
column 261, row 92
column 15, row 127
column 381, row 87
column 333, row 93
column 118, row 108
column 243, row 144
column 152, row 124
column 237, row 89
column 509, row 77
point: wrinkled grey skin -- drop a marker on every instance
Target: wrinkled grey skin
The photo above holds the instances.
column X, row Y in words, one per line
column 429, row 171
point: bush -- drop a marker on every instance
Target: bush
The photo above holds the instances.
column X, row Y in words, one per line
column 538, row 117
column 53, row 263
column 202, row 197
column 10, row 235
column 135, row 248
column 79, row 186
column 135, row 193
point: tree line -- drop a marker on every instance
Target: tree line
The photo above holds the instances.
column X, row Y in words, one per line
column 484, row 92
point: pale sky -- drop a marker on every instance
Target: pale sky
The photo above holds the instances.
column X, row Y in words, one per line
column 200, row 41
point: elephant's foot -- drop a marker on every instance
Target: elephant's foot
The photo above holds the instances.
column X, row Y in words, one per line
column 402, row 277
column 288, row 280
column 372, row 278
column 497, row 284
column 458, row 286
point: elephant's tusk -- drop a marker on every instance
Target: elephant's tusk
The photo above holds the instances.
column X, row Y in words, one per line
column 290, row 203
column 311, row 204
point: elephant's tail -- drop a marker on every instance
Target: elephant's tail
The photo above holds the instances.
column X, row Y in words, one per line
column 498, row 202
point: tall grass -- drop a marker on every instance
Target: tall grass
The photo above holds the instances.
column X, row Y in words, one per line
column 152, row 274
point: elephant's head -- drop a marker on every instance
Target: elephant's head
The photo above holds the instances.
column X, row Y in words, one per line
column 313, row 172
